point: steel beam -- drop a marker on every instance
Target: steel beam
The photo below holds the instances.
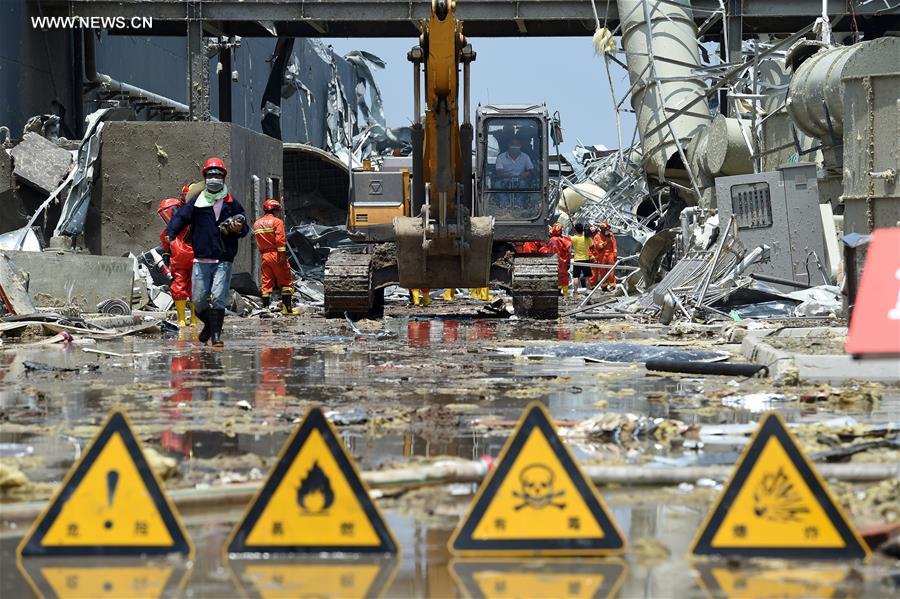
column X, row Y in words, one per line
column 198, row 68
column 483, row 18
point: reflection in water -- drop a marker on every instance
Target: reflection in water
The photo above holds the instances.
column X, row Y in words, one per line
column 418, row 334
column 729, row 582
column 116, row 578
column 560, row 579
column 319, row 579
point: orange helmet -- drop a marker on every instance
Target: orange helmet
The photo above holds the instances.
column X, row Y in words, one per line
column 215, row 163
column 271, row 205
column 167, row 208
column 556, row 230
column 604, row 226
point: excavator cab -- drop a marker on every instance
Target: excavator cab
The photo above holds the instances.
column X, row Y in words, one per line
column 511, row 175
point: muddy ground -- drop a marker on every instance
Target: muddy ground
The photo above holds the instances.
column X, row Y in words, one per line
column 421, row 384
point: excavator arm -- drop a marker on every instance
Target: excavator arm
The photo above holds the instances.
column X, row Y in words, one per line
column 441, row 243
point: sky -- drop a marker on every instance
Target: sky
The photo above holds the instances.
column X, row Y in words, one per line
column 561, row 72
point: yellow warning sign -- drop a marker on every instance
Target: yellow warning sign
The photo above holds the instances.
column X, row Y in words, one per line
column 313, row 501
column 584, row 579
column 758, row 583
column 63, row 579
column 110, row 503
column 537, row 501
column 776, row 505
column 320, row 579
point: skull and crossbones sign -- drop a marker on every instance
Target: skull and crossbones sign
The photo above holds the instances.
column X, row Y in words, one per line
column 537, row 488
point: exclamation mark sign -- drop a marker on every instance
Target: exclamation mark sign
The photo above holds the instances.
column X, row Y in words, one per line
column 112, row 481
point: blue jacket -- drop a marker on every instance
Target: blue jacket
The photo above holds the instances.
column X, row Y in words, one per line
column 206, row 239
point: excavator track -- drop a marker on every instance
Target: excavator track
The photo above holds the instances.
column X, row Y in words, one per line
column 534, row 290
column 348, row 285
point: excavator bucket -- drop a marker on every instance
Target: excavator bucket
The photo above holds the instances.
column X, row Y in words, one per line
column 462, row 260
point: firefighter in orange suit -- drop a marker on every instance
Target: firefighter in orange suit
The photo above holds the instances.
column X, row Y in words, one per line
column 272, row 243
column 603, row 251
column 562, row 247
column 178, row 256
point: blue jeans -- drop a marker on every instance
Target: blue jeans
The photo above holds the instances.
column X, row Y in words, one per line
column 210, row 284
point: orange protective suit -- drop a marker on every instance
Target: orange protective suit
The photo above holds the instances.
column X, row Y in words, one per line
column 181, row 262
column 532, row 247
column 272, row 243
column 562, row 247
column 603, row 251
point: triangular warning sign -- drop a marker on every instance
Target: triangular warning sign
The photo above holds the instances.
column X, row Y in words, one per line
column 110, row 503
column 322, row 579
column 135, row 578
column 776, row 505
column 313, row 501
column 587, row 579
column 537, row 501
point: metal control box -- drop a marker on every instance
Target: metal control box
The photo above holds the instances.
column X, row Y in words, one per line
column 378, row 187
column 779, row 209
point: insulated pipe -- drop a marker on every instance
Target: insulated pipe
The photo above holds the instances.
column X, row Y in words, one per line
column 110, row 84
column 727, row 152
column 816, row 96
column 674, row 37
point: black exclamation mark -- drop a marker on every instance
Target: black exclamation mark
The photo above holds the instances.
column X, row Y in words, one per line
column 112, row 480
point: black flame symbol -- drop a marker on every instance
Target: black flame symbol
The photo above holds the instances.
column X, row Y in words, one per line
column 315, row 481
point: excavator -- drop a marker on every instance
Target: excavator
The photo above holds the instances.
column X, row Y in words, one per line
column 425, row 221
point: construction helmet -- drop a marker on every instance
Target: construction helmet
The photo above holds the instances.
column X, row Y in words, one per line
column 167, row 208
column 556, row 230
column 604, row 226
column 271, row 205
column 215, row 164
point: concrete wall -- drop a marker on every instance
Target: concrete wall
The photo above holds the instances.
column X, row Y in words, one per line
column 141, row 163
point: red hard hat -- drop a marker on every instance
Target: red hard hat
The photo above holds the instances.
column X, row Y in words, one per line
column 215, row 163
column 271, row 205
column 167, row 208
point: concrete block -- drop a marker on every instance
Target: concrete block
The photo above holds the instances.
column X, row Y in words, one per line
column 58, row 277
column 40, row 163
column 13, row 281
column 6, row 172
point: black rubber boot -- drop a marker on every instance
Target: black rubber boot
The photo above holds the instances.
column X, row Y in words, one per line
column 217, row 319
column 204, row 317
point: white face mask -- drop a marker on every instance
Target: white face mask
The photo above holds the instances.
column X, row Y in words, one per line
column 215, row 184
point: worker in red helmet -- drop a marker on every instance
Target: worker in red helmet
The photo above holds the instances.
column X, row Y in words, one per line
column 178, row 256
column 562, row 247
column 276, row 270
column 217, row 222
column 603, row 251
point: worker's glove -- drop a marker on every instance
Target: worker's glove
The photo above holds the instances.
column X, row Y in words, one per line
column 167, row 259
column 282, row 257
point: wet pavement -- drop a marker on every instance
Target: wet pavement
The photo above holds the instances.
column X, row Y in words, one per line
column 415, row 385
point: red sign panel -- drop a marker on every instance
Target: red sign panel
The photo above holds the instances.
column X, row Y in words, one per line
column 875, row 326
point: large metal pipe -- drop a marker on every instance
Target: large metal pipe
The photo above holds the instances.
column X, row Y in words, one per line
column 674, row 39
column 815, row 97
column 111, row 85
